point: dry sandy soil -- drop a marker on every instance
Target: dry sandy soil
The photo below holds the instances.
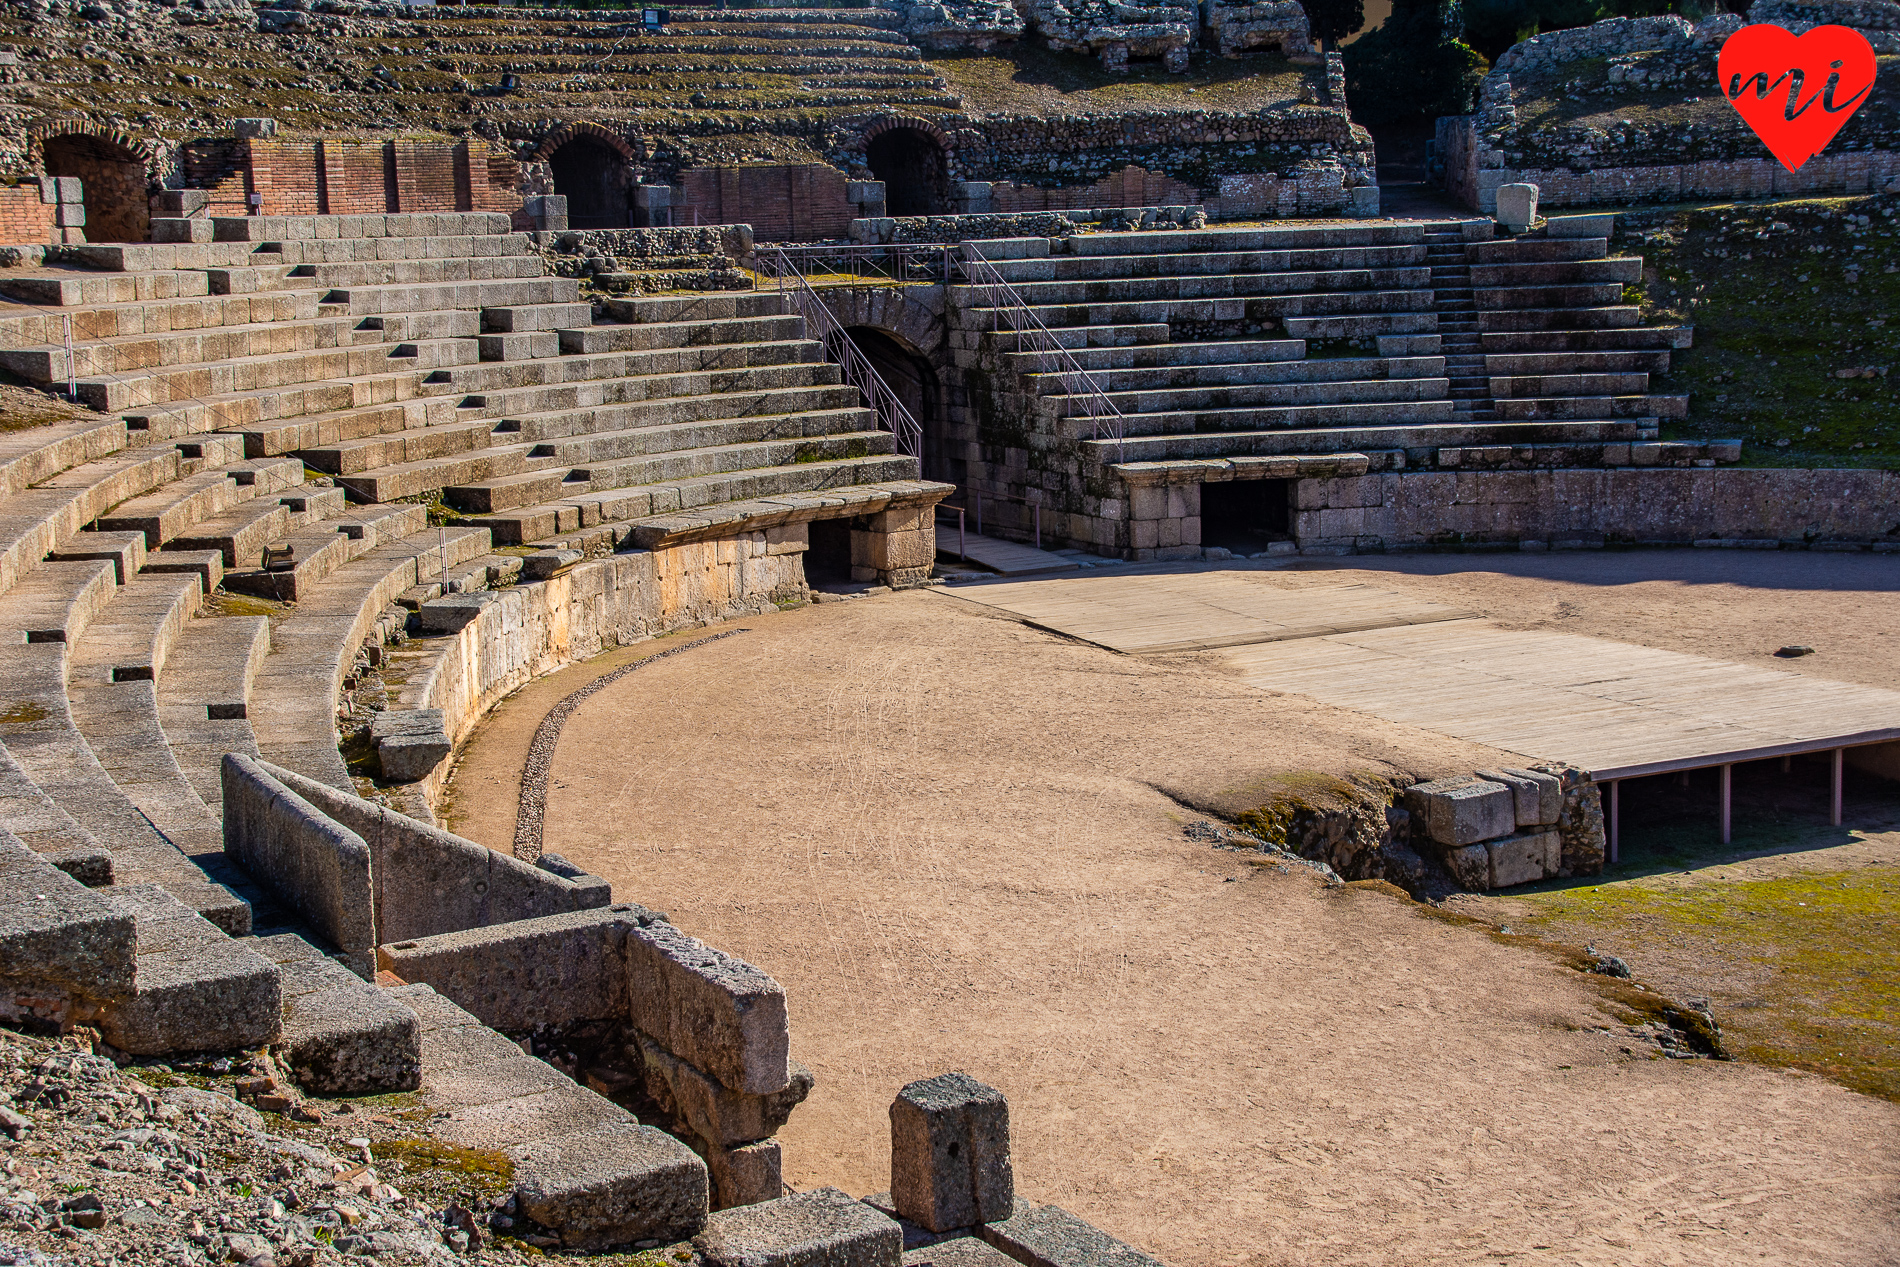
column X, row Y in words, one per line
column 943, row 832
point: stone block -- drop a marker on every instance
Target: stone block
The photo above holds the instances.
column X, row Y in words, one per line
column 1470, row 866
column 169, row 229
column 1537, row 798
column 1598, row 226
column 1365, row 201
column 254, row 129
column 950, row 1163
column 1049, row 1236
column 543, row 564
column 197, row 989
column 1517, row 206
column 745, row 1174
column 63, row 189
column 1525, row 859
column 612, row 1183
column 341, row 1034
column 820, row 1228
column 720, row 1116
column 961, row 1251
column 55, row 932
column 1462, row 811
column 451, row 612
column 315, row 866
column 70, row 215
column 410, row 742
column 718, row 1013
column 178, row 203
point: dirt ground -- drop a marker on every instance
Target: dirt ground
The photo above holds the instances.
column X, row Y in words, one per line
column 943, row 832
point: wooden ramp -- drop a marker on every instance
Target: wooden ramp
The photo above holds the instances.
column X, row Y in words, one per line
column 1010, row 558
column 1616, row 710
column 1152, row 613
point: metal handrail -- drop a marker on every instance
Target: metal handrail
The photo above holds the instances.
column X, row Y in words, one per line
column 855, row 366
column 927, row 262
column 1079, row 387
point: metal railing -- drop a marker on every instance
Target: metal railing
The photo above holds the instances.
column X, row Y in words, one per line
column 920, row 262
column 1084, row 396
column 822, row 326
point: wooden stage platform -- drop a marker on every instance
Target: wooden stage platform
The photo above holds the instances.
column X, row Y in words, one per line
column 1617, row 710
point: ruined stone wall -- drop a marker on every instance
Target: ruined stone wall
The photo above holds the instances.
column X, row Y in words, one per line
column 350, row 176
column 1671, row 147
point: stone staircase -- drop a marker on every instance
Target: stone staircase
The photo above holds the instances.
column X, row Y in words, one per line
column 1416, row 345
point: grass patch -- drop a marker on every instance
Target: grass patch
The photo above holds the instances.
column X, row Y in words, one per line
column 1807, row 965
column 1796, row 306
column 441, row 1172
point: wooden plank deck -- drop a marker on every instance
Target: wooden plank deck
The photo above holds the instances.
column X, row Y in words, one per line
column 1152, row 613
column 1612, row 708
column 1011, row 558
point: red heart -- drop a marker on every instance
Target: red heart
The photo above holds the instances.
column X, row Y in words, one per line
column 1796, row 92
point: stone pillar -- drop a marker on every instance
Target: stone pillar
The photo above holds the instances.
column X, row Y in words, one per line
column 895, row 547
column 950, row 1164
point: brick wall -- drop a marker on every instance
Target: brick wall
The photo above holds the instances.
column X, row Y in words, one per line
column 340, row 177
column 782, row 203
column 24, row 218
column 288, row 175
column 1132, row 186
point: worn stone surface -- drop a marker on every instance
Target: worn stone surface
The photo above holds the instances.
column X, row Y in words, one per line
column 1536, row 798
column 745, row 1174
column 1517, row 206
column 716, row 1113
column 56, row 934
column 341, row 1035
column 719, row 1013
column 820, row 1228
column 1470, row 865
column 613, row 1183
column 1462, row 811
column 1049, row 1236
column 196, row 989
column 950, row 1159
column 410, row 742
column 317, row 867
column 961, row 1251
column 1525, row 859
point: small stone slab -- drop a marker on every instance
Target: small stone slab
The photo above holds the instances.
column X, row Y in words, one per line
column 453, row 612
column 55, row 932
column 820, row 1228
column 722, row 1014
column 343, row 1035
column 1049, row 1236
column 950, row 1164
column 718, row 1115
column 542, row 564
column 1538, row 798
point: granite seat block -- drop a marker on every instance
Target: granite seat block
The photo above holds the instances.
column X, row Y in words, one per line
column 342, row 1035
column 196, row 989
column 950, row 1161
column 613, row 1183
column 721, row 1014
column 54, row 932
column 820, row 1228
column 1463, row 810
column 962, row 1251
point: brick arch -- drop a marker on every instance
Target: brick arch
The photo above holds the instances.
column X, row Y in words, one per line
column 40, row 131
column 575, row 131
column 888, row 122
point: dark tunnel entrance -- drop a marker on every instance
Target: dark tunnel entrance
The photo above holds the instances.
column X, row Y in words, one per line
column 593, row 178
column 914, row 170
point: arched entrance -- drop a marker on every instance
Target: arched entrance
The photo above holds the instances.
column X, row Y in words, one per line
column 592, row 176
column 909, row 375
column 914, row 169
column 114, row 182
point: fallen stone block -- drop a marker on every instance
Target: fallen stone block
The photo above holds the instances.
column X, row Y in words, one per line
column 1525, row 859
column 820, row 1228
column 1049, row 1236
column 341, row 1034
column 1462, row 810
column 452, row 613
column 1537, row 798
column 950, row 1162
column 613, row 1183
column 719, row 1013
column 543, row 564
column 410, row 742
column 195, row 988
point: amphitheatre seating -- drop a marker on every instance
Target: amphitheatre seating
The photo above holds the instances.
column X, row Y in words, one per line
column 1260, row 342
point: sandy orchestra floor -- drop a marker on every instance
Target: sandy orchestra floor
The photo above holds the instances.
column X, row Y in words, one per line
column 957, row 842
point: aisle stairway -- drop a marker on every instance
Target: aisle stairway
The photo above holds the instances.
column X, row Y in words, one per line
column 1417, row 345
